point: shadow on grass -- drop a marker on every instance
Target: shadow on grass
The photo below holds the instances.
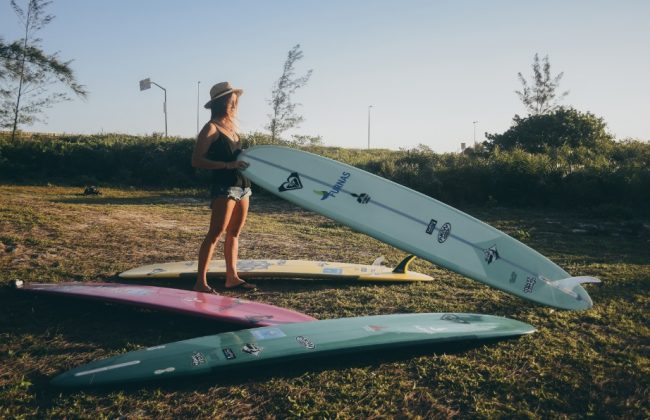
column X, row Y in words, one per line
column 263, row 284
column 261, row 202
column 159, row 199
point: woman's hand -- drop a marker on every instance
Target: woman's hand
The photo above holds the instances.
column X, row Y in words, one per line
column 237, row 164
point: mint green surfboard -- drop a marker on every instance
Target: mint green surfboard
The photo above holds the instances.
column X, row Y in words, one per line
column 266, row 345
column 414, row 223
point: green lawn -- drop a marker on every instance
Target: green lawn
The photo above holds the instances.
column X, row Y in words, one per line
column 578, row 364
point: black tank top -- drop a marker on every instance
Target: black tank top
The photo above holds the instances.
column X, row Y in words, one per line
column 220, row 151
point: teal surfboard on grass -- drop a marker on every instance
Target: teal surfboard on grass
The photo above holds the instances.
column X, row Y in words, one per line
column 267, row 345
column 414, row 223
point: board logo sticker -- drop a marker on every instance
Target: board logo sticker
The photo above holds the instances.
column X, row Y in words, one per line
column 336, row 188
column 530, row 284
column 362, row 198
column 513, row 277
column 432, row 226
column 131, row 291
column 252, row 349
column 453, row 318
column 197, row 358
column 491, row 254
column 156, row 271
column 305, row 342
column 373, row 328
column 192, row 300
column 229, row 353
column 166, row 370
column 429, row 330
column 292, row 183
column 252, row 265
column 445, row 230
column 268, row 333
column 332, row 270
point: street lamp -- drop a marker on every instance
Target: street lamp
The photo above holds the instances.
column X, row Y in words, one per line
column 146, row 84
column 369, row 107
column 474, row 122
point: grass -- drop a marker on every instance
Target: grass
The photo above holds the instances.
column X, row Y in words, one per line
column 578, row 364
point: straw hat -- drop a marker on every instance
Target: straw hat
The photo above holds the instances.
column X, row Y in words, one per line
column 221, row 89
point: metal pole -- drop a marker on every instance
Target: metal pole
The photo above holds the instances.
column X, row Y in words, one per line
column 369, row 106
column 198, row 94
column 164, row 105
column 474, row 122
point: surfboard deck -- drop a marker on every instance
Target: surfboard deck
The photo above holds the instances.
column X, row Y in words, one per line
column 286, row 269
column 415, row 223
column 317, row 339
column 220, row 308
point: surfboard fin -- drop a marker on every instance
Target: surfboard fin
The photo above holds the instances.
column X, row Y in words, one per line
column 403, row 266
column 568, row 284
column 379, row 261
column 571, row 282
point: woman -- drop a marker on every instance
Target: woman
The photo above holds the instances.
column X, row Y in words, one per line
column 216, row 149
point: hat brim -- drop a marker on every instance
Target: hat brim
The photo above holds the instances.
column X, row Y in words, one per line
column 238, row 92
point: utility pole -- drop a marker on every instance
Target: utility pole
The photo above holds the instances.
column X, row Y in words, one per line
column 369, row 107
column 474, row 122
column 146, row 84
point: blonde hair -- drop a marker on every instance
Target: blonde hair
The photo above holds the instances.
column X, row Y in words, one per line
column 224, row 113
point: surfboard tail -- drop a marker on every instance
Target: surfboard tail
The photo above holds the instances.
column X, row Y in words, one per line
column 572, row 286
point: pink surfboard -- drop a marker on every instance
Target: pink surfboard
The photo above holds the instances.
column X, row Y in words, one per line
column 217, row 307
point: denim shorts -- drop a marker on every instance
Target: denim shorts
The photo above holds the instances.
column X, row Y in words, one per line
column 236, row 193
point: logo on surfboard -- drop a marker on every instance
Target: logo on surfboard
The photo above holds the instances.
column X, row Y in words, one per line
column 197, row 358
column 454, row 318
column 305, row 342
column 336, row 188
column 293, row 182
column 362, row 198
column 444, row 233
column 530, row 284
column 432, row 226
column 491, row 254
column 252, row 349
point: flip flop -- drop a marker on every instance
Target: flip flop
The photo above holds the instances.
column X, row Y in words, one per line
column 243, row 285
column 210, row 290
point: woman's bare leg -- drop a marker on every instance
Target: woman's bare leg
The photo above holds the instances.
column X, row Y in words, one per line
column 222, row 210
column 231, row 249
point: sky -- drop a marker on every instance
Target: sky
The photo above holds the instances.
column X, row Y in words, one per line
column 435, row 72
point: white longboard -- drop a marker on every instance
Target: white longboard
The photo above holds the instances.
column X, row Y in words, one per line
column 285, row 269
column 414, row 223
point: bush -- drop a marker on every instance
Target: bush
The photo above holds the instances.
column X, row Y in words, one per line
column 565, row 127
column 617, row 174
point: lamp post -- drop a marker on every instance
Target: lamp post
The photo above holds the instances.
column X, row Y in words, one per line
column 474, row 122
column 369, row 107
column 198, row 94
column 146, row 84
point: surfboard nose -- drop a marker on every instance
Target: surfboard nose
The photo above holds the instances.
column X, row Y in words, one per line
column 64, row 380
